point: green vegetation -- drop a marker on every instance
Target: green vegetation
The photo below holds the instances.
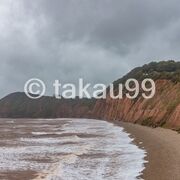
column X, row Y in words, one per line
column 172, row 105
column 148, row 122
column 169, row 70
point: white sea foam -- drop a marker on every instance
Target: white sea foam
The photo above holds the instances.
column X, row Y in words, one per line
column 82, row 149
column 122, row 160
column 46, row 133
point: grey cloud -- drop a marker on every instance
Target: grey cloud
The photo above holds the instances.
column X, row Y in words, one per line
column 115, row 24
column 99, row 40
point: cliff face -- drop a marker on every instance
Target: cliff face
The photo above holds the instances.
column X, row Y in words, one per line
column 162, row 110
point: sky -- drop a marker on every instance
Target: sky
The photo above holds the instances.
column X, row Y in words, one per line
column 98, row 40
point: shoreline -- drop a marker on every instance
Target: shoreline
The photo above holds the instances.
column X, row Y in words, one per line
column 162, row 147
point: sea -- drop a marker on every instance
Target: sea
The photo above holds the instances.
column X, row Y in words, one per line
column 68, row 149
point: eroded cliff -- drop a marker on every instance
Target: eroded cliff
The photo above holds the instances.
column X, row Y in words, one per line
column 161, row 110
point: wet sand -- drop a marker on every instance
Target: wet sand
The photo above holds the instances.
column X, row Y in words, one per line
column 163, row 150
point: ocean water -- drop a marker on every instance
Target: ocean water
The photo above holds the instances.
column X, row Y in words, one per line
column 69, row 149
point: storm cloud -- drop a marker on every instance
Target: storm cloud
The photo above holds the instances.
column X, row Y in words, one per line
column 98, row 40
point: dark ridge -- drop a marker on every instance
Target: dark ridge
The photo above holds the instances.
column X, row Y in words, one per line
column 18, row 105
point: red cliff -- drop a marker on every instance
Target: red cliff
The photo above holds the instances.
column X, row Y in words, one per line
column 162, row 110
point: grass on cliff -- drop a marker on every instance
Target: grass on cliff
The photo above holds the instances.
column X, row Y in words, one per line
column 148, row 122
column 169, row 70
column 172, row 105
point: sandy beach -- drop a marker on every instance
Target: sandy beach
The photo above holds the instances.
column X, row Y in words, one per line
column 163, row 150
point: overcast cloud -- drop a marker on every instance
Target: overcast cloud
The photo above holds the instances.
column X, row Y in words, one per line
column 99, row 40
